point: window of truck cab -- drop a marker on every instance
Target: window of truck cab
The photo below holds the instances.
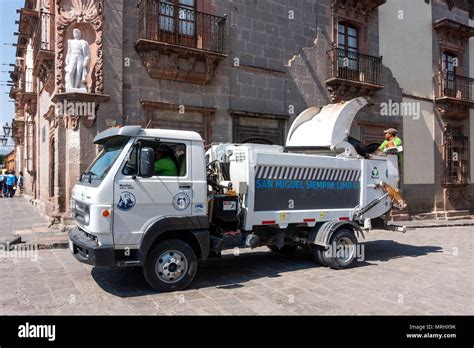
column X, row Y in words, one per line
column 104, row 160
column 177, row 155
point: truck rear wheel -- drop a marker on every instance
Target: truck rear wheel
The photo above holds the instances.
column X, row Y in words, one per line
column 342, row 251
column 170, row 266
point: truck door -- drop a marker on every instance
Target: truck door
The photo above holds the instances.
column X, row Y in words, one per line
column 138, row 202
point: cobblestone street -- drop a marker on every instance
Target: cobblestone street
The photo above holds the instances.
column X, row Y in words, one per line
column 425, row 271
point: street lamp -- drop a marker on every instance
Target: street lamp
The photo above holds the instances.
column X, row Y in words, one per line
column 4, row 141
column 7, row 129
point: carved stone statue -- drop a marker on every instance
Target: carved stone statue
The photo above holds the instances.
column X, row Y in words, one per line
column 77, row 63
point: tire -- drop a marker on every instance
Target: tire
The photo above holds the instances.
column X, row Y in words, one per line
column 318, row 254
column 170, row 266
column 333, row 256
column 286, row 250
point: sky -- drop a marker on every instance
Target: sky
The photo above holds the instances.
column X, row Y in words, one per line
column 8, row 16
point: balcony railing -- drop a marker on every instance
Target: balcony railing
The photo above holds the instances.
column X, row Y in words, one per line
column 354, row 66
column 182, row 26
column 27, row 85
column 44, row 40
column 455, row 86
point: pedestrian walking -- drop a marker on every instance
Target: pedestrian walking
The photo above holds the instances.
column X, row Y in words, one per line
column 2, row 182
column 20, row 182
column 15, row 185
column 4, row 186
column 10, row 184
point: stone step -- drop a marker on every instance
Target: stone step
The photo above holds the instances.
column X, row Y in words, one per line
column 400, row 217
column 447, row 215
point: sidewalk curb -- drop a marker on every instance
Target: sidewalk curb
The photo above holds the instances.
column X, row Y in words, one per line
column 13, row 240
column 438, row 225
column 53, row 245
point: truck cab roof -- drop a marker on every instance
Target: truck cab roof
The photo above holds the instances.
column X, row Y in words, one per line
column 136, row 131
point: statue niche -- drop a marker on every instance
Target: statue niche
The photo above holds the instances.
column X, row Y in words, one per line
column 80, row 58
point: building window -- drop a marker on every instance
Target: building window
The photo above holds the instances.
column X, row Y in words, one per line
column 181, row 12
column 166, row 117
column 258, row 129
column 455, row 153
column 347, row 39
column 449, row 71
column 348, row 48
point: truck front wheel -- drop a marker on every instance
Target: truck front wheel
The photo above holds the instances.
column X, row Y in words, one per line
column 170, row 266
column 342, row 251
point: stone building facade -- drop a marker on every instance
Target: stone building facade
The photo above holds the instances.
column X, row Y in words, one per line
column 232, row 70
column 435, row 72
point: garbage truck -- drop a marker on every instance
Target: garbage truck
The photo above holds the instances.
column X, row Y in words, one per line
column 319, row 191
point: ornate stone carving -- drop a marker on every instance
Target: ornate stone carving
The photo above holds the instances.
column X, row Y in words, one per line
column 51, row 116
column 452, row 109
column 173, row 61
column 354, row 9
column 71, row 122
column 344, row 90
column 191, row 63
column 453, row 35
column 75, row 107
column 179, row 64
column 77, row 13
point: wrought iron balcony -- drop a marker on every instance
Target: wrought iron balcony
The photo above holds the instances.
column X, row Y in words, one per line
column 179, row 43
column 27, row 87
column 43, row 49
column 181, row 26
column 352, row 74
column 354, row 66
column 455, row 87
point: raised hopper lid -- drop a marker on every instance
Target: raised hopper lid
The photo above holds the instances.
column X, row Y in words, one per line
column 324, row 127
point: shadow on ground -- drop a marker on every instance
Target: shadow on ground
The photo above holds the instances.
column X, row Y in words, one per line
column 230, row 272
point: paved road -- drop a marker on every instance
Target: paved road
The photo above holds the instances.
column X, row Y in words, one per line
column 425, row 271
column 19, row 217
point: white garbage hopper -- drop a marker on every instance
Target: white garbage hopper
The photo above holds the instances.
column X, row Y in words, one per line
column 324, row 127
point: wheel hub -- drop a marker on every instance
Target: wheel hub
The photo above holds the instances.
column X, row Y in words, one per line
column 345, row 250
column 171, row 266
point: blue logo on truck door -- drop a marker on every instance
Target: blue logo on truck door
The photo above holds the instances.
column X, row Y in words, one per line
column 308, row 188
column 181, row 201
column 126, row 201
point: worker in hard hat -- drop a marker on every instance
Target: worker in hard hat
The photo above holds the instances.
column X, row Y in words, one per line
column 392, row 141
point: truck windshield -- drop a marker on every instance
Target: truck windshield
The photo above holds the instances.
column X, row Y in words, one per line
column 105, row 159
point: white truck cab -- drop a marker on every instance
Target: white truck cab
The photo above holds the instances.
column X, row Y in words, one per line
column 155, row 198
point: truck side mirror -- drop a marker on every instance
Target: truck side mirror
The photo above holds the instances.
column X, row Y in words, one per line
column 147, row 162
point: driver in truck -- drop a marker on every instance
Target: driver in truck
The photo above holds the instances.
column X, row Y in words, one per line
column 165, row 161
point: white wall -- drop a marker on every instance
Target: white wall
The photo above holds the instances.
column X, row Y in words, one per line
column 405, row 29
column 418, row 156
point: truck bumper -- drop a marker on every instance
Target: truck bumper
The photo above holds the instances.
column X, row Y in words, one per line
column 88, row 251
